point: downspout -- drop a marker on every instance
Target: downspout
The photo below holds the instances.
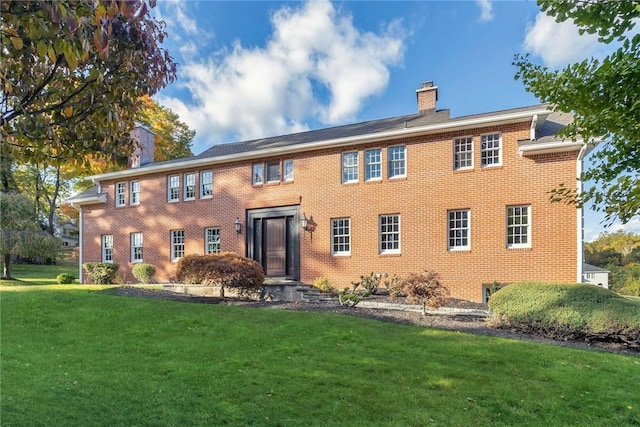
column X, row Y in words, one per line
column 580, row 217
column 80, row 246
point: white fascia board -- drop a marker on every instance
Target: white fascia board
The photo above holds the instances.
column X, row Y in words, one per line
column 92, row 200
column 470, row 123
column 550, row 147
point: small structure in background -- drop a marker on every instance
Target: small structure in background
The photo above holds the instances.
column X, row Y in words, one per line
column 595, row 275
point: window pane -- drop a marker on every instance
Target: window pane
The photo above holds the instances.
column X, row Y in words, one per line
column 212, row 240
column 257, row 174
column 350, row 167
column 458, row 229
column 341, row 236
column 373, row 164
column 463, row 153
column 206, row 184
column 490, row 150
column 389, row 233
column 189, row 186
column 273, row 171
column 287, row 167
column 397, row 161
column 121, row 190
column 518, row 227
column 174, row 188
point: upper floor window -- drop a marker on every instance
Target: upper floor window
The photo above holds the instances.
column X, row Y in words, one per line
column 463, row 153
column 287, row 170
column 518, row 226
column 459, row 229
column 134, row 193
column 136, row 247
column 341, row 236
column 350, row 167
column 389, row 234
column 173, row 193
column 206, row 184
column 397, row 161
column 258, row 174
column 273, row 171
column 177, row 244
column 212, row 240
column 121, row 191
column 189, row 186
column 490, row 152
column 373, row 164
column 107, row 248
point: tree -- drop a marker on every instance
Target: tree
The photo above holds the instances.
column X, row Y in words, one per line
column 17, row 219
column 72, row 74
column 604, row 99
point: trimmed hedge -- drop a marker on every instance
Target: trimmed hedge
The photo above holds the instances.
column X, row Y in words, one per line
column 143, row 272
column 567, row 311
column 65, row 278
column 101, row 272
column 225, row 269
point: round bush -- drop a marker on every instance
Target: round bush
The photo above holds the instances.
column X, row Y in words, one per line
column 144, row 272
column 65, row 278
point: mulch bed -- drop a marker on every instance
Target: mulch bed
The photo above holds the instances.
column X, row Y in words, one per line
column 460, row 323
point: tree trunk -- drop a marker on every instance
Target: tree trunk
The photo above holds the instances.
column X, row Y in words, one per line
column 7, row 268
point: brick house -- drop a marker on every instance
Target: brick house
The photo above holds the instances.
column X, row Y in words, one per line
column 465, row 196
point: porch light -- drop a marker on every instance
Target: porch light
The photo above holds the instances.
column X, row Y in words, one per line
column 238, row 225
column 304, row 222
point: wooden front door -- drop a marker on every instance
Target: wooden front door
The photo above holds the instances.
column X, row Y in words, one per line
column 275, row 246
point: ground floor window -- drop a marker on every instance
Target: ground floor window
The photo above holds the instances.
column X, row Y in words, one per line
column 136, row 247
column 389, row 234
column 177, row 244
column 518, row 227
column 459, row 229
column 107, row 248
column 341, row 236
column 212, row 240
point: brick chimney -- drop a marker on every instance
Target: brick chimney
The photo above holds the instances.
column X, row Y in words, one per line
column 144, row 150
column 427, row 96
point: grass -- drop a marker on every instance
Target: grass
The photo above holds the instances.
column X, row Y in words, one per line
column 92, row 358
column 36, row 274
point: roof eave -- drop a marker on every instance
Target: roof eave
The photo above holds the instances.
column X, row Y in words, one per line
column 91, row 200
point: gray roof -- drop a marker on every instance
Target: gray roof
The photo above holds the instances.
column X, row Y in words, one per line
column 588, row 268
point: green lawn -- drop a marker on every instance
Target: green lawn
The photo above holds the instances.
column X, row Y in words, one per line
column 82, row 358
column 35, row 274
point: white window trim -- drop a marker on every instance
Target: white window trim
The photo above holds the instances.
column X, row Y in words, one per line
column 389, row 251
column 518, row 245
column 453, row 147
column 169, row 199
column 500, row 150
column 206, row 240
column 266, row 172
column 333, row 236
column 379, row 177
column 173, row 246
column 203, row 183
column 133, row 246
column 284, row 178
column 390, row 161
column 120, row 185
column 253, row 174
column 133, row 194
column 342, row 168
column 467, row 247
column 105, row 247
column 186, row 186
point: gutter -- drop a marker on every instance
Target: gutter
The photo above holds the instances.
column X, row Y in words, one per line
column 331, row 143
column 580, row 215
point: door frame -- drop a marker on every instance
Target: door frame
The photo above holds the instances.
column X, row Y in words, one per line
column 293, row 243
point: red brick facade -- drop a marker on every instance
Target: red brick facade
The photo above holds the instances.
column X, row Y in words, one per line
column 422, row 199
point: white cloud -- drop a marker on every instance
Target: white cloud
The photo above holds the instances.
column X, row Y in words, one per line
column 315, row 66
column 486, row 8
column 558, row 44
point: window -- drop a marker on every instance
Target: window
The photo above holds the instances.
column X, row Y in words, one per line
column 173, row 194
column 177, row 244
column 206, row 184
column 389, row 234
column 373, row 164
column 121, row 190
column 136, row 247
column 341, row 236
column 397, row 165
column 518, row 227
column 490, row 153
column 134, row 193
column 107, row 248
column 287, row 170
column 258, row 174
column 350, row 167
column 189, row 186
column 211, row 240
column 273, row 171
column 459, row 230
column 463, row 153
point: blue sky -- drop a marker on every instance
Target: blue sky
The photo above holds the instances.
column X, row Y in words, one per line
column 250, row 69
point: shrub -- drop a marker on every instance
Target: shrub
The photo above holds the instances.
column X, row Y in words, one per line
column 143, row 272
column 369, row 283
column 101, row 272
column 322, row 284
column 225, row 269
column 65, row 278
column 424, row 289
column 349, row 297
column 567, row 311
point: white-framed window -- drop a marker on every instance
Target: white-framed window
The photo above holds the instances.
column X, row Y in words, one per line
column 206, row 184
column 459, row 229
column 134, row 193
column 257, row 174
column 287, row 170
column 397, row 161
column 373, row 164
column 490, row 152
column 177, row 244
column 519, row 226
column 136, row 247
column 107, row 248
column 350, row 167
column 121, row 193
column 463, row 153
column 389, row 234
column 273, row 171
column 173, row 188
column 341, row 236
column 189, row 186
column 211, row 240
